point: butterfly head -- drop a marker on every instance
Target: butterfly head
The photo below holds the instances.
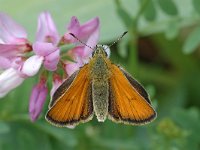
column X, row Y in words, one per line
column 100, row 51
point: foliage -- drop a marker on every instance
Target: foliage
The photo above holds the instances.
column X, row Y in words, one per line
column 169, row 71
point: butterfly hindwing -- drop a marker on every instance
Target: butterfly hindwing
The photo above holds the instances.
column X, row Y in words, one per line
column 128, row 103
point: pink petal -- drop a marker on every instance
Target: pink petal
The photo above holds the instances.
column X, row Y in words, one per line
column 82, row 32
column 89, row 27
column 4, row 63
column 9, row 80
column 10, row 31
column 71, row 67
column 88, row 33
column 57, row 81
column 13, row 50
column 77, row 51
column 32, row 65
column 73, row 27
column 17, row 63
column 43, row 49
column 46, row 31
column 37, row 99
column 51, row 60
column 92, row 42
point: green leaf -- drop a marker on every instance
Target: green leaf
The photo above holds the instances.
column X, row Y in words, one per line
column 196, row 5
column 150, row 11
column 192, row 41
column 168, row 6
column 116, row 143
column 123, row 14
column 172, row 30
column 4, row 128
column 64, row 135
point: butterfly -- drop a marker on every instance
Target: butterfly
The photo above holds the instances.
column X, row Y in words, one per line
column 101, row 88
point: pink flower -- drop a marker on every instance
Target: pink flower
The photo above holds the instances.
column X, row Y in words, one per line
column 13, row 41
column 13, row 45
column 37, row 99
column 88, row 33
column 47, row 39
column 17, row 63
column 50, row 54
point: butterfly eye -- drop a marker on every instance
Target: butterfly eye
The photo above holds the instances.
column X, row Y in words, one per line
column 107, row 50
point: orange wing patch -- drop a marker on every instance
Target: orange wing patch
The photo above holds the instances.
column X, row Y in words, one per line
column 125, row 103
column 75, row 104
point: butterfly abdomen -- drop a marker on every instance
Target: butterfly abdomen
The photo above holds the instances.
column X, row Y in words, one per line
column 100, row 99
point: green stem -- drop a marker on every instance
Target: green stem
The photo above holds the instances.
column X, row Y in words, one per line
column 141, row 10
column 133, row 51
column 132, row 24
column 133, row 56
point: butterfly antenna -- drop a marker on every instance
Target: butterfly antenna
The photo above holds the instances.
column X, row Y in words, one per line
column 81, row 41
column 119, row 38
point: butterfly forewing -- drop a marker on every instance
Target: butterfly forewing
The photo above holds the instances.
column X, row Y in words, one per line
column 128, row 104
column 137, row 86
column 75, row 104
column 62, row 88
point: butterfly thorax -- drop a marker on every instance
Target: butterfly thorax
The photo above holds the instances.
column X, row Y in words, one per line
column 99, row 66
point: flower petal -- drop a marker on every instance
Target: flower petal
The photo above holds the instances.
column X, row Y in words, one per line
column 43, row 49
column 89, row 27
column 71, row 67
column 77, row 51
column 57, row 81
column 10, row 30
column 37, row 99
column 9, row 80
column 92, row 42
column 88, row 33
column 51, row 60
column 46, row 31
column 73, row 27
column 82, row 32
column 32, row 65
column 4, row 63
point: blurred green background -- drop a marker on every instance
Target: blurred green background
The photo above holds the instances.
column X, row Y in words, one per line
column 161, row 50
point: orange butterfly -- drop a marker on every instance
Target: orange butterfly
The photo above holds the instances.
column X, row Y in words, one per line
column 101, row 88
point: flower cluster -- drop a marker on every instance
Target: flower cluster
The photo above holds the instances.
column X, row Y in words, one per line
column 21, row 59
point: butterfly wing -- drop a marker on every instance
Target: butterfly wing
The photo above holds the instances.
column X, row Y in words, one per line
column 128, row 101
column 70, row 107
column 138, row 87
column 62, row 88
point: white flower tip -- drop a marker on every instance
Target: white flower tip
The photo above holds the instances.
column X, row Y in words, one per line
column 32, row 65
